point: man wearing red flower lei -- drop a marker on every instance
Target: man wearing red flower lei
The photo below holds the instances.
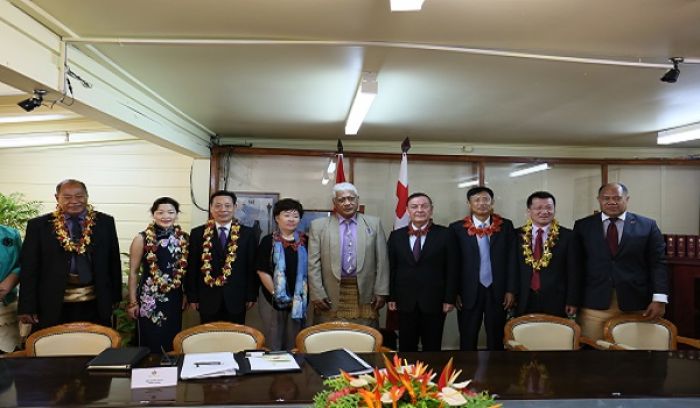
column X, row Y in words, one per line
column 547, row 281
column 70, row 263
column 488, row 271
column 423, row 276
column 221, row 281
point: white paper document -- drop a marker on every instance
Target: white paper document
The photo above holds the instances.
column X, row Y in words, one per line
column 208, row 365
column 153, row 377
column 275, row 361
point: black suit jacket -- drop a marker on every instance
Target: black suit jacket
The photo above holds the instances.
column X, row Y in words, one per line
column 503, row 262
column 241, row 286
column 636, row 272
column 429, row 282
column 557, row 280
column 45, row 266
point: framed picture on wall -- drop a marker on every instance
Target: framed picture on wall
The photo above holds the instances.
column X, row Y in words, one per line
column 254, row 210
column 310, row 215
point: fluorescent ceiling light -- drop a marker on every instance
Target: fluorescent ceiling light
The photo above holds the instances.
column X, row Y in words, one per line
column 529, row 170
column 366, row 92
column 32, row 118
column 53, row 138
column 466, row 184
column 679, row 134
column 406, row 5
column 24, row 141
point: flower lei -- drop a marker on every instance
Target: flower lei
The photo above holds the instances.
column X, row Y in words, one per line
column 230, row 254
column 159, row 279
column 63, row 236
column 549, row 243
column 496, row 222
column 276, row 236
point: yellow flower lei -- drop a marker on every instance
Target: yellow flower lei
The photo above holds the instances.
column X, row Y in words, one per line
column 230, row 254
column 63, row 236
column 549, row 243
column 151, row 245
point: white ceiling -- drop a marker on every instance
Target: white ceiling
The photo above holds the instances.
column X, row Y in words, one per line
column 305, row 91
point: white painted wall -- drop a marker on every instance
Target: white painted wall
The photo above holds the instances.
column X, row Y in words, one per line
column 122, row 178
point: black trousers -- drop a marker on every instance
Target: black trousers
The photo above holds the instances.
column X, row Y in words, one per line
column 418, row 326
column 223, row 315
column 487, row 310
column 77, row 312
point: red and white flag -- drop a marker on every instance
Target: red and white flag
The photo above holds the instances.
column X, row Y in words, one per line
column 339, row 171
column 401, row 215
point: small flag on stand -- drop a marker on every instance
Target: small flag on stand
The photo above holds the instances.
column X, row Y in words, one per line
column 401, row 218
column 339, row 172
column 401, row 215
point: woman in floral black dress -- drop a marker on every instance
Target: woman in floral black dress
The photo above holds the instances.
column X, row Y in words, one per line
column 157, row 300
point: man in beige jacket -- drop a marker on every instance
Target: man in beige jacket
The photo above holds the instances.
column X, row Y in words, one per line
column 348, row 267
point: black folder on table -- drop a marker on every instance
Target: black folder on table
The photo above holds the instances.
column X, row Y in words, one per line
column 329, row 363
column 122, row 358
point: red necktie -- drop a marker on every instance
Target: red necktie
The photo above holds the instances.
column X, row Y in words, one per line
column 612, row 236
column 416, row 249
column 537, row 254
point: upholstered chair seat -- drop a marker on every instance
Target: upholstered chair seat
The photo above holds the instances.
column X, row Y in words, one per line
column 71, row 339
column 542, row 332
column 218, row 336
column 335, row 335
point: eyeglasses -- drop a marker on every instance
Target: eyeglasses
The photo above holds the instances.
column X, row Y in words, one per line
column 348, row 199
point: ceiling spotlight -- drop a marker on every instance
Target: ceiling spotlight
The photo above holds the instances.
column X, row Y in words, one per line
column 671, row 76
column 34, row 102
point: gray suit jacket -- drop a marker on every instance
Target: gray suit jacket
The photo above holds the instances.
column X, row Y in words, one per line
column 325, row 263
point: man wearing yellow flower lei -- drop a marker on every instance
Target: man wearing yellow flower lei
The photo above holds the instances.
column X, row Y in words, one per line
column 70, row 266
column 221, row 281
column 545, row 284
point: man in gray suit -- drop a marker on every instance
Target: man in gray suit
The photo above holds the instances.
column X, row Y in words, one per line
column 348, row 268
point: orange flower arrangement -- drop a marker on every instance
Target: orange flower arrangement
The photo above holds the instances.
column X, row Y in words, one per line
column 230, row 254
column 165, row 284
column 63, row 236
column 496, row 222
column 401, row 386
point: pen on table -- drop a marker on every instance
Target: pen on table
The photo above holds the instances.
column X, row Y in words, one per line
column 201, row 363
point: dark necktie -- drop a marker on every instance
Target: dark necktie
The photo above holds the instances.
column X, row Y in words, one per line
column 76, row 229
column 536, row 255
column 80, row 263
column 223, row 237
column 612, row 236
column 416, row 249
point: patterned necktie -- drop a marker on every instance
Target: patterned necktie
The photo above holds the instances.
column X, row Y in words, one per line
column 612, row 236
column 223, row 237
column 485, row 276
column 416, row 249
column 349, row 260
column 536, row 255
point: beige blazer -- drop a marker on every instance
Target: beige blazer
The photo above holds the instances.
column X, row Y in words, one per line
column 325, row 259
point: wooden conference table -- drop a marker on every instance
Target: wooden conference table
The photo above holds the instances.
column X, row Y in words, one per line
column 521, row 379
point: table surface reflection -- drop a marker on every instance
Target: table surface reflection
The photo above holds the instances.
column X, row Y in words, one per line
column 521, row 377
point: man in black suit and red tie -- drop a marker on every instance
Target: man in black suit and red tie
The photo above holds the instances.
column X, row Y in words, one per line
column 70, row 267
column 221, row 280
column 546, row 271
column 621, row 263
column 423, row 276
column 488, row 271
